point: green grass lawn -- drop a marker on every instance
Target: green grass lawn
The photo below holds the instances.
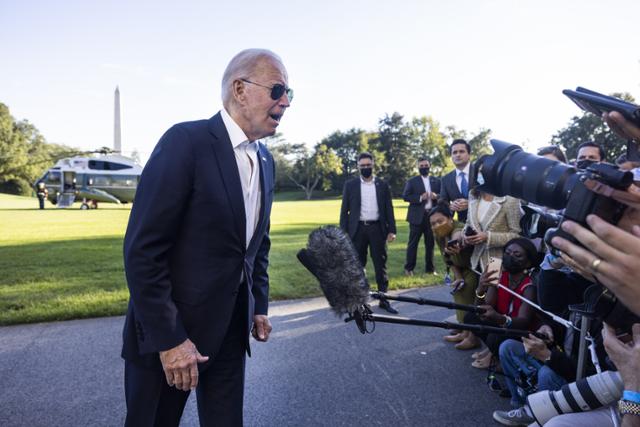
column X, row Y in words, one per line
column 59, row 264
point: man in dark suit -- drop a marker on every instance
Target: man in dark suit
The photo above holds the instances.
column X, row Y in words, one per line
column 196, row 253
column 455, row 184
column 367, row 216
column 421, row 192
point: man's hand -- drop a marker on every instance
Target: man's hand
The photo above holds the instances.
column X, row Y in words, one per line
column 459, row 205
column 612, row 256
column 536, row 348
column 391, row 237
column 626, row 357
column 630, row 196
column 621, row 126
column 434, row 196
column 261, row 327
column 180, row 365
column 424, row 196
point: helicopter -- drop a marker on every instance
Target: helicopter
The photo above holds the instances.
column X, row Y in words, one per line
column 107, row 178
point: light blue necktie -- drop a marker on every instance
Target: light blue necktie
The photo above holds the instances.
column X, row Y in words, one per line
column 464, row 185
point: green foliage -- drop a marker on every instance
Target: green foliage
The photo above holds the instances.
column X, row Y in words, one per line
column 395, row 143
column 590, row 128
column 24, row 153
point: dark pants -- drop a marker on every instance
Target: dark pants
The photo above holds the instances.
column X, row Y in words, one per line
column 492, row 340
column 370, row 236
column 220, row 391
column 415, row 232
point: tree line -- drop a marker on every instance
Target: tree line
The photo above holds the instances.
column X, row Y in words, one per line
column 395, row 144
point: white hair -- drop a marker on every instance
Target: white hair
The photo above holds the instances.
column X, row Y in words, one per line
column 242, row 66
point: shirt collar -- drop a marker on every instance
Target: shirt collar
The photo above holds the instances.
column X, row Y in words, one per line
column 362, row 181
column 465, row 170
column 236, row 134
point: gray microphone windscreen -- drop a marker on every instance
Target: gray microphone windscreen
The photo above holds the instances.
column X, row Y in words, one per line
column 331, row 257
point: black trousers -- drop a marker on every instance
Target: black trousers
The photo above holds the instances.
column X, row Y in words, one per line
column 370, row 236
column 220, row 390
column 415, row 232
column 492, row 340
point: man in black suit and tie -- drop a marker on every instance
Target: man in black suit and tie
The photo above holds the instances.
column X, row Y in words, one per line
column 455, row 184
column 196, row 253
column 421, row 192
column 367, row 216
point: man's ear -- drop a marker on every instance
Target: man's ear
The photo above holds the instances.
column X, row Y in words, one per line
column 239, row 90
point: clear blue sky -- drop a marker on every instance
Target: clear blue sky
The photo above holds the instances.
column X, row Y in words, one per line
column 497, row 64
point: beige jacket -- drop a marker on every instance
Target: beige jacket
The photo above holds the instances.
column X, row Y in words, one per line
column 501, row 223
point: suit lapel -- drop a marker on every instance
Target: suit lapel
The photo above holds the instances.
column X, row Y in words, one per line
column 493, row 210
column 266, row 179
column 226, row 160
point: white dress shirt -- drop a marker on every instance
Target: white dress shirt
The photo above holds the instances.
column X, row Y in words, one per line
column 427, row 188
column 249, row 169
column 466, row 175
column 368, row 201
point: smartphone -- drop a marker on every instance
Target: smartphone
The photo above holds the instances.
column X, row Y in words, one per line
column 598, row 103
column 494, row 264
column 470, row 231
column 453, row 242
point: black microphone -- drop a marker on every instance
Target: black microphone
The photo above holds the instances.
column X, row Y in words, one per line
column 331, row 257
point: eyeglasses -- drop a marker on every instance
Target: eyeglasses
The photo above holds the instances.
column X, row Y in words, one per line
column 277, row 90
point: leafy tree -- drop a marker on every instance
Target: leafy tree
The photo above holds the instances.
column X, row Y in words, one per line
column 427, row 140
column 590, row 128
column 314, row 168
column 396, row 144
column 24, row 153
column 347, row 146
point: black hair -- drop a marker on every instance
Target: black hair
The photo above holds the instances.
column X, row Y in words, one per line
column 460, row 141
column 423, row 158
column 441, row 207
column 365, row 155
column 555, row 151
column 528, row 247
column 593, row 144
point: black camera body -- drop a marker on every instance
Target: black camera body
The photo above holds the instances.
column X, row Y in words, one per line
column 545, row 182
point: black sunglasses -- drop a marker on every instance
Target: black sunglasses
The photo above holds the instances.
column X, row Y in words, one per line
column 277, row 90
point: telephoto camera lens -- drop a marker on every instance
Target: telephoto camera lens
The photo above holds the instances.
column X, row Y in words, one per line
column 583, row 395
column 513, row 172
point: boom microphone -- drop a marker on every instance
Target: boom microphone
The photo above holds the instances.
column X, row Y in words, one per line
column 331, row 257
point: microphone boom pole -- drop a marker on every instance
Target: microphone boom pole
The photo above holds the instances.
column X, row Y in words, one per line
column 424, row 301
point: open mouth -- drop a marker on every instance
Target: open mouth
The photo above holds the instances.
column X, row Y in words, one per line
column 276, row 117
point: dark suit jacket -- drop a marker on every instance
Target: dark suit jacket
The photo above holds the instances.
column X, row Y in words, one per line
column 185, row 254
column 413, row 189
column 451, row 192
column 350, row 209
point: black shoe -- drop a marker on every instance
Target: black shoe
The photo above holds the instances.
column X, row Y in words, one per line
column 384, row 304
